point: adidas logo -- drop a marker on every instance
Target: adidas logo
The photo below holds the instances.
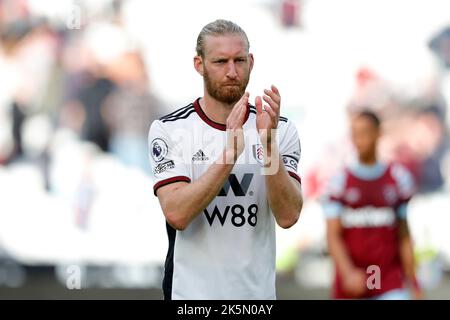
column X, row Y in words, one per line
column 199, row 156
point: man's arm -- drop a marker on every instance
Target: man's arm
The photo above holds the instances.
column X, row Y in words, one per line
column 353, row 279
column 407, row 258
column 406, row 187
column 181, row 202
column 284, row 194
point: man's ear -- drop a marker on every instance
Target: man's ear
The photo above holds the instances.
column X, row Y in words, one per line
column 252, row 60
column 198, row 65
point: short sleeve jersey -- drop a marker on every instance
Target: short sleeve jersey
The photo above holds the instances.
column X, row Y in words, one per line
column 228, row 250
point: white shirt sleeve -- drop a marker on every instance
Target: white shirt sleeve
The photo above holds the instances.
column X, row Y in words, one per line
column 406, row 187
column 290, row 150
column 166, row 159
column 332, row 200
column 404, row 181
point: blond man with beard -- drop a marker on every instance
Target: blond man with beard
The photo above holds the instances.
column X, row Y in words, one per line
column 225, row 172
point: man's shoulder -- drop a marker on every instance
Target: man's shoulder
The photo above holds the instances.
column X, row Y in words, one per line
column 402, row 175
column 179, row 114
column 285, row 124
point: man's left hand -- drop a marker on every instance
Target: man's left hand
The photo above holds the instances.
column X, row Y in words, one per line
column 267, row 119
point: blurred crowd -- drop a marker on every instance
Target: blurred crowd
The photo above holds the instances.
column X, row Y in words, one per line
column 55, row 78
column 76, row 104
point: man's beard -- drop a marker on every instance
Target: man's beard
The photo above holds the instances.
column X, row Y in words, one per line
column 229, row 92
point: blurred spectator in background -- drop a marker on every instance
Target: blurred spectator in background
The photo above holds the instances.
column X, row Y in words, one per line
column 291, row 13
column 440, row 44
column 92, row 95
column 370, row 90
column 129, row 110
column 367, row 231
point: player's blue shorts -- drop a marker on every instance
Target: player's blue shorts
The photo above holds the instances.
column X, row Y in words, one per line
column 396, row 294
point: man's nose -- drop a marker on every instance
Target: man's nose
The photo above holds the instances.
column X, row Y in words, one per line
column 231, row 72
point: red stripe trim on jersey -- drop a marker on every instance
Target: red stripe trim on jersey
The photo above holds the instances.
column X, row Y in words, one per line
column 295, row 176
column 215, row 125
column 165, row 182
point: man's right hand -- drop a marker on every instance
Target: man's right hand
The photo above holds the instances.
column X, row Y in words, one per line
column 354, row 283
column 235, row 133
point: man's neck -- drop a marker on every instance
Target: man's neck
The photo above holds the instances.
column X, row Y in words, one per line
column 215, row 110
column 368, row 161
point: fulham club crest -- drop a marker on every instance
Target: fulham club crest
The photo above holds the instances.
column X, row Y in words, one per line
column 258, row 153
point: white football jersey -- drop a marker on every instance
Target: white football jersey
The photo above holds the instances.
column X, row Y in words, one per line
column 227, row 251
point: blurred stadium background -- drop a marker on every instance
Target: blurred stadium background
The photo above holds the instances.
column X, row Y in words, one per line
column 81, row 81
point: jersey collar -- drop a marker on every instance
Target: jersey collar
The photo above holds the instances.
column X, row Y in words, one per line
column 368, row 172
column 215, row 125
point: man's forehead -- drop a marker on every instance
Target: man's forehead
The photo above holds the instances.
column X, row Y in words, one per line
column 225, row 45
column 363, row 122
